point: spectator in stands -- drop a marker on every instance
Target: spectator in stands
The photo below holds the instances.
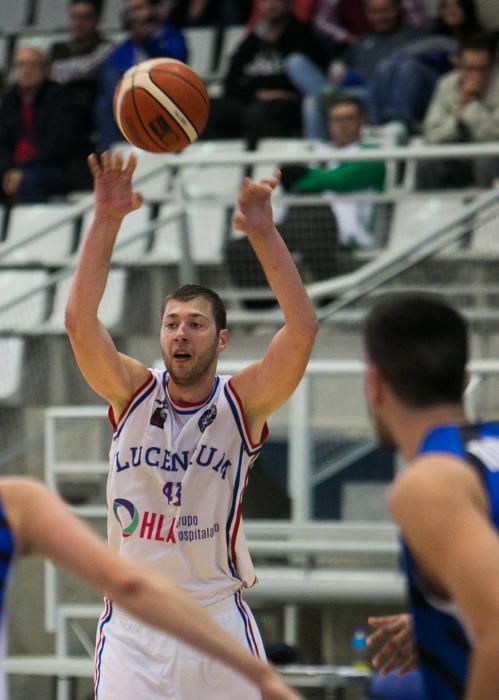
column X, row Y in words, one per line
column 402, row 85
column 464, row 109
column 355, row 219
column 259, row 99
column 388, row 35
column 457, row 18
column 149, row 37
column 303, row 10
column 76, row 63
column 339, row 23
column 206, row 12
column 189, row 13
column 40, row 132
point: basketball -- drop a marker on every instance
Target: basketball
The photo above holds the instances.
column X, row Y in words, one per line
column 161, row 105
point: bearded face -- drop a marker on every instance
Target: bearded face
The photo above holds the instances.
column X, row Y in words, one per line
column 190, row 342
column 187, row 369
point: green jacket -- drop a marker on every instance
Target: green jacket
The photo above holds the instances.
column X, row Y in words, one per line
column 346, row 177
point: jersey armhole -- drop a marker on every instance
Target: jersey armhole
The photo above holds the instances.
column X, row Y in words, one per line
column 110, row 413
column 240, row 419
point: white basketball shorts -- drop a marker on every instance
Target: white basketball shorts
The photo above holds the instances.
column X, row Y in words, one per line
column 136, row 662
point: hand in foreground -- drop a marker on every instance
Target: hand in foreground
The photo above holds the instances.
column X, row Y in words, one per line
column 254, row 216
column 12, row 181
column 274, row 688
column 114, row 196
column 398, row 649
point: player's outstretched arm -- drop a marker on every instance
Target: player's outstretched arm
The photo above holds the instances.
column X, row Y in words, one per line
column 451, row 537
column 61, row 537
column 398, row 649
column 112, row 375
column 266, row 385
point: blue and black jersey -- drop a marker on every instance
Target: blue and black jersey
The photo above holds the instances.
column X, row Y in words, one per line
column 6, row 555
column 443, row 642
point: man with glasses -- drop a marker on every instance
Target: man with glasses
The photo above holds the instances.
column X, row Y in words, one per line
column 464, row 109
column 354, row 219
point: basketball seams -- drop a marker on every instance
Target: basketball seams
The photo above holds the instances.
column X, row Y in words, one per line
column 179, row 108
column 202, row 93
column 168, row 114
column 145, row 81
column 139, row 117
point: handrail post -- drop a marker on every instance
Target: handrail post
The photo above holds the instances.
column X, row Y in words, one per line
column 300, row 446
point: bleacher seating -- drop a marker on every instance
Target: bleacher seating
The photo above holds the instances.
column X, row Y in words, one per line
column 15, row 284
column 14, row 15
column 167, row 245
column 198, row 181
column 112, row 13
column 284, row 146
column 42, row 40
column 201, row 46
column 51, row 14
column 11, row 367
column 131, row 226
column 110, row 309
column 52, row 248
column 150, row 179
column 417, row 213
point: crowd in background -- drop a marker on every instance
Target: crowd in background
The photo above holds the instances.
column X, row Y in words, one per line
column 436, row 77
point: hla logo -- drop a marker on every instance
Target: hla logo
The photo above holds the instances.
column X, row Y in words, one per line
column 152, row 525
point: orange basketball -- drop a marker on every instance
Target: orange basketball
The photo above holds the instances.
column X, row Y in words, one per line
column 161, row 105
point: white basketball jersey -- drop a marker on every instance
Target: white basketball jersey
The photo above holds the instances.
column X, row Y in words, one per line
column 176, row 482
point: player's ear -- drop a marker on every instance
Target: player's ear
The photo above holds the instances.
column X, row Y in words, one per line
column 373, row 385
column 223, row 339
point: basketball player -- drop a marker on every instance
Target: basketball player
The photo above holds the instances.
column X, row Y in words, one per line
column 57, row 534
column 446, row 501
column 184, row 440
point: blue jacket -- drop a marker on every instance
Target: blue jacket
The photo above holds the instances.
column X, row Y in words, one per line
column 168, row 41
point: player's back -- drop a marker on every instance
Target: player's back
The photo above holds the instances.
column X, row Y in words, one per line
column 443, row 641
column 6, row 559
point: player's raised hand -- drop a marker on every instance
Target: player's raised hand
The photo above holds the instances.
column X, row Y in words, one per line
column 114, row 196
column 398, row 650
column 254, row 216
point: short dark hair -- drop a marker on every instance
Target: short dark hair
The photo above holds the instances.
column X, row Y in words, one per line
column 343, row 99
column 96, row 4
column 420, row 345
column 193, row 291
column 479, row 41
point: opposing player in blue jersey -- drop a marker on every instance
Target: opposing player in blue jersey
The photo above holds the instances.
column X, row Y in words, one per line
column 184, row 440
column 55, row 533
column 446, row 501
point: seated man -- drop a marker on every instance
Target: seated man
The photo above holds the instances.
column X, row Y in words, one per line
column 40, row 133
column 259, row 100
column 389, row 34
column 464, row 109
column 355, row 219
